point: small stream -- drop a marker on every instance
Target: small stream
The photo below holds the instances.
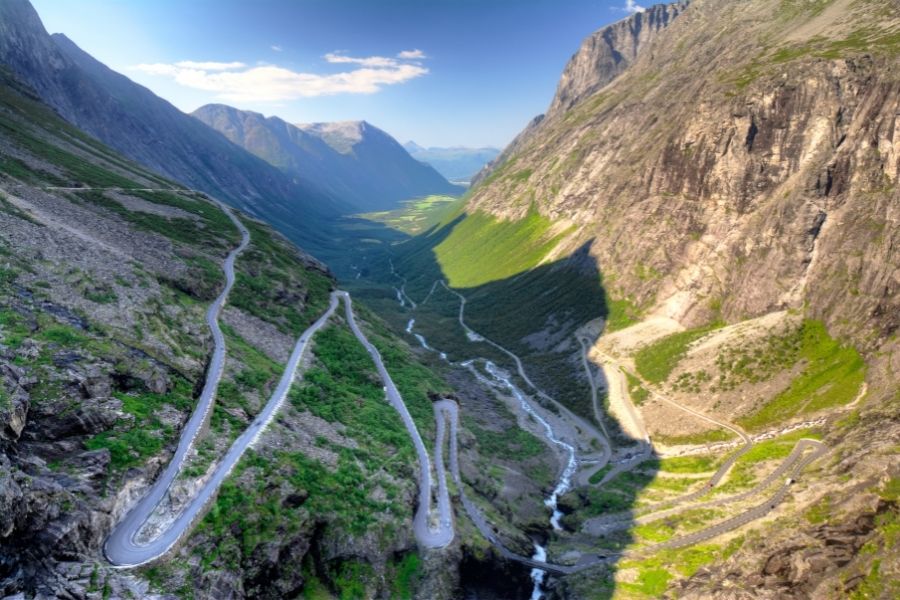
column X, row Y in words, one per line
column 565, row 480
column 501, row 380
column 421, row 338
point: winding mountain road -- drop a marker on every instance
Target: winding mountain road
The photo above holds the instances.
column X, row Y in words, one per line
column 447, row 411
column 122, row 548
column 432, row 528
column 428, row 534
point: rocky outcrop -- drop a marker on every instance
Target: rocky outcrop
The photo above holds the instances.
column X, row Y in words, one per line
column 603, row 56
column 810, row 566
column 608, row 52
column 13, row 402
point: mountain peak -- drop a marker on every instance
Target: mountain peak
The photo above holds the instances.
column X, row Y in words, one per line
column 607, row 52
column 343, row 136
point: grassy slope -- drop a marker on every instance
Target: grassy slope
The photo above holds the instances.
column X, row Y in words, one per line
column 415, row 216
column 482, row 249
column 830, row 374
column 656, row 361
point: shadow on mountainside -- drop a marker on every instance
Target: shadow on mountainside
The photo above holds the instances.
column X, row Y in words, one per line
column 536, row 315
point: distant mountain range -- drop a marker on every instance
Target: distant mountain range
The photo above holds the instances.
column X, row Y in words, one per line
column 151, row 131
column 352, row 160
column 309, row 182
column 457, row 163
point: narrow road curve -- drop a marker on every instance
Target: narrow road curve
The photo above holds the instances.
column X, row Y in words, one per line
column 757, row 512
column 648, row 514
column 120, row 547
column 428, row 534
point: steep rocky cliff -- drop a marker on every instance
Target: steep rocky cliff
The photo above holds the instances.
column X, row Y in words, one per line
column 603, row 55
column 608, row 52
column 742, row 165
column 758, row 141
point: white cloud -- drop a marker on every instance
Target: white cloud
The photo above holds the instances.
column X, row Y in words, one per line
column 269, row 83
column 632, row 7
column 411, row 54
column 210, row 66
column 276, row 48
column 369, row 61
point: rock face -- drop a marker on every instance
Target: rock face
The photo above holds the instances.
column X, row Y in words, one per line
column 603, row 56
column 759, row 143
column 354, row 161
column 608, row 52
column 149, row 130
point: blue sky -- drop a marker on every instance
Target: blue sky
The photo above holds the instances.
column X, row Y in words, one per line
column 440, row 72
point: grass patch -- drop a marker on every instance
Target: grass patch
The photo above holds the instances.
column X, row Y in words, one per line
column 407, row 572
column 274, row 284
column 636, row 391
column 482, row 248
column 599, row 475
column 687, row 464
column 512, row 443
column 622, row 313
column 415, row 216
column 132, row 441
column 819, row 512
column 347, row 389
column 832, row 376
column 704, row 437
column 656, row 361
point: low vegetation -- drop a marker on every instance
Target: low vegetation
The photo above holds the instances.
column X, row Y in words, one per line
column 276, row 285
column 416, row 216
column 482, row 248
column 636, row 391
column 655, row 573
column 622, row 313
column 831, row 376
column 141, row 435
column 512, row 443
column 211, row 229
column 656, row 361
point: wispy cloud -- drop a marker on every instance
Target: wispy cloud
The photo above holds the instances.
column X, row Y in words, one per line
column 632, row 7
column 276, row 48
column 237, row 82
column 210, row 66
column 368, row 61
column 411, row 54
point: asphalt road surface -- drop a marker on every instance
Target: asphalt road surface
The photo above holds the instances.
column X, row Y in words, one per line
column 428, row 533
column 121, row 547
